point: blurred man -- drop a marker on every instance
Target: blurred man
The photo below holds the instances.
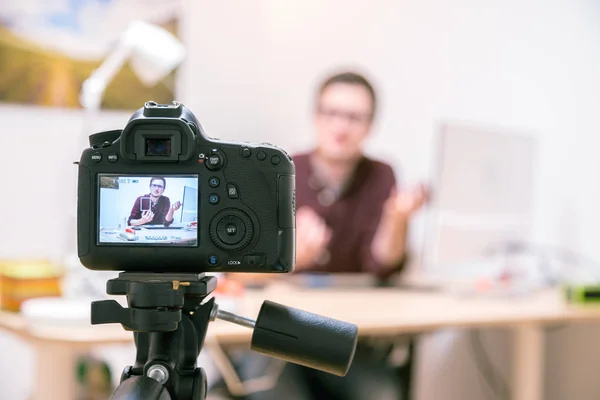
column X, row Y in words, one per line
column 351, row 217
column 157, row 210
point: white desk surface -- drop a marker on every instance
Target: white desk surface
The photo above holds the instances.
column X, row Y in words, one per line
column 144, row 235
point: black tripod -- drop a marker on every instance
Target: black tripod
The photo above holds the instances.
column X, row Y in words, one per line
column 169, row 317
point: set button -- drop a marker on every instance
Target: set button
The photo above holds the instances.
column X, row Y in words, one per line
column 231, row 230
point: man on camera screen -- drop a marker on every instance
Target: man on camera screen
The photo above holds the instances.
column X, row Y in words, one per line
column 153, row 208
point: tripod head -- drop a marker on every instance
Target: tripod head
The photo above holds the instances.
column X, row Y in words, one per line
column 169, row 316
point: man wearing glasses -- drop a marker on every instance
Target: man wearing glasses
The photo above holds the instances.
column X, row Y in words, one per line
column 153, row 208
column 351, row 215
column 351, row 218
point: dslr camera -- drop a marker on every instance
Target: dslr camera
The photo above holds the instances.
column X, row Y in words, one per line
column 162, row 196
column 165, row 204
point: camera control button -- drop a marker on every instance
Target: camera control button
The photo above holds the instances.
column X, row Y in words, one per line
column 213, row 260
column 213, row 182
column 214, row 161
column 246, row 152
column 101, row 138
column 113, row 157
column 231, row 229
column 261, row 155
column 232, row 191
column 253, row 260
column 275, row 160
column 213, row 198
column 97, row 157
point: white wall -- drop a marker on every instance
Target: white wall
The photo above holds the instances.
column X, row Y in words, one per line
column 39, row 148
column 526, row 65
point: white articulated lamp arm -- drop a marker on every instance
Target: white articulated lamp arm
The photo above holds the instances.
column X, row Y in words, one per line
column 152, row 51
column 93, row 88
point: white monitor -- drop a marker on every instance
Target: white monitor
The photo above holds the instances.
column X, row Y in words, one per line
column 189, row 206
column 482, row 194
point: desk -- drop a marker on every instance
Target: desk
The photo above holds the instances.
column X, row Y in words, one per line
column 145, row 235
column 377, row 312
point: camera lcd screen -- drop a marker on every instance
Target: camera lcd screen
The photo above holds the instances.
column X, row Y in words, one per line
column 158, row 147
column 148, row 210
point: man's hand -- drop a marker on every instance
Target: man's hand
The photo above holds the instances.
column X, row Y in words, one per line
column 400, row 206
column 176, row 206
column 389, row 244
column 147, row 216
column 312, row 237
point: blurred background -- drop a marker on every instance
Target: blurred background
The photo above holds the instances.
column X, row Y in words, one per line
column 498, row 83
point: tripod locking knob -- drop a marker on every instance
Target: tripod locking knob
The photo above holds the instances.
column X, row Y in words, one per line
column 300, row 337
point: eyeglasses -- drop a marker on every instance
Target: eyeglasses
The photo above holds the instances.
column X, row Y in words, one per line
column 153, row 186
column 352, row 117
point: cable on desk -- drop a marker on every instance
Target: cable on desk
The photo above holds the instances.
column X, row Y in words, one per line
column 490, row 373
column 547, row 253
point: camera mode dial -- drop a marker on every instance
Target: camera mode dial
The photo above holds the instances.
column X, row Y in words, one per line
column 99, row 139
column 231, row 229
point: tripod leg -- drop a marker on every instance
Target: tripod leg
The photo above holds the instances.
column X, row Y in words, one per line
column 200, row 388
column 142, row 344
column 140, row 388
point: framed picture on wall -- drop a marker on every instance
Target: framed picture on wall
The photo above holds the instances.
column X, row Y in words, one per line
column 48, row 48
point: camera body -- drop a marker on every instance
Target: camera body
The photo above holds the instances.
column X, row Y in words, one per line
column 162, row 196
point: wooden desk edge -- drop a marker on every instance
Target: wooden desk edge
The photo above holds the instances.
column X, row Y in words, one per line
column 231, row 334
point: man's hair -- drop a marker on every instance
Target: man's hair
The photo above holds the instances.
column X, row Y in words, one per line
column 351, row 78
column 159, row 178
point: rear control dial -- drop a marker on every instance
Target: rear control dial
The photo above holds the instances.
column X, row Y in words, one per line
column 231, row 229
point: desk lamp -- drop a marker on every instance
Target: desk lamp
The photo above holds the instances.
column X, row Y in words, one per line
column 152, row 53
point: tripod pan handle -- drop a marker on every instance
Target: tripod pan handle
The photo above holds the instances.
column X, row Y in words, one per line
column 305, row 338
